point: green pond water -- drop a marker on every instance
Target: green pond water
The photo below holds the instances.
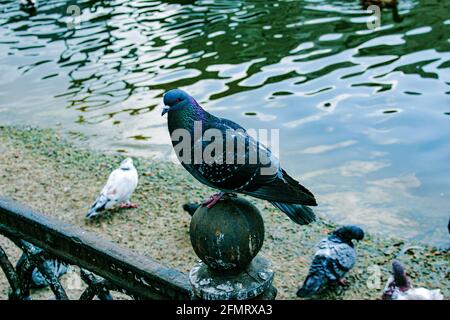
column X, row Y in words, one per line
column 364, row 115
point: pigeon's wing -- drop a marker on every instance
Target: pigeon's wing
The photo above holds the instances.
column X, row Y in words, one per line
column 282, row 189
column 336, row 259
column 110, row 188
column 269, row 181
column 231, row 169
column 248, row 167
column 231, row 124
column 319, row 265
column 274, row 184
column 120, row 185
column 108, row 195
column 345, row 257
column 323, row 262
column 126, row 185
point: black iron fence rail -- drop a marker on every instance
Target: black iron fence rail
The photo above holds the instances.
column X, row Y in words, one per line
column 139, row 276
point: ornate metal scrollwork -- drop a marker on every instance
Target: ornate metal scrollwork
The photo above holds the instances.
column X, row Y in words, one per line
column 48, row 245
column 34, row 263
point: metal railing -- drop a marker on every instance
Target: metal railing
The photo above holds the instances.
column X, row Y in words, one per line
column 104, row 265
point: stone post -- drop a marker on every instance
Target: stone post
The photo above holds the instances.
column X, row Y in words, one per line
column 227, row 239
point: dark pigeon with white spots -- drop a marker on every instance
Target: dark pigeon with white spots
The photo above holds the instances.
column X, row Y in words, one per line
column 235, row 176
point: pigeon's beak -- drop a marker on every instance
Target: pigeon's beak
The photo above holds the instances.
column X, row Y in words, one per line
column 165, row 110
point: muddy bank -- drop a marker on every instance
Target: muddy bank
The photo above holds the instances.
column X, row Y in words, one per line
column 42, row 170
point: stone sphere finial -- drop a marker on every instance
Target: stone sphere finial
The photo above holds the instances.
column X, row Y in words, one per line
column 227, row 236
column 227, row 239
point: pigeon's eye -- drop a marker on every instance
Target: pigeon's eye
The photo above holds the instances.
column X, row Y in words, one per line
column 178, row 100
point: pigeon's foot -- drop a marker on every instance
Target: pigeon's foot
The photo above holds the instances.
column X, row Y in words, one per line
column 128, row 205
column 343, row 282
column 213, row 200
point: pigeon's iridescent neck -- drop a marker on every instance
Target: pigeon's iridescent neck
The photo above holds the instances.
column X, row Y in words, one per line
column 185, row 116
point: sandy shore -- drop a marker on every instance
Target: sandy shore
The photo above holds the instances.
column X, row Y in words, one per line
column 42, row 170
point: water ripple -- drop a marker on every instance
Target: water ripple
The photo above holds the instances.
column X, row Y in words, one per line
column 341, row 92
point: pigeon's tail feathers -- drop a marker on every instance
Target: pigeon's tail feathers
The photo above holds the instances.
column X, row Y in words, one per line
column 301, row 189
column 98, row 206
column 298, row 213
column 282, row 189
column 312, row 285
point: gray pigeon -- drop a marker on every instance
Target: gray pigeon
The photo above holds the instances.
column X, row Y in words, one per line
column 226, row 173
column 35, row 277
column 57, row 267
column 333, row 259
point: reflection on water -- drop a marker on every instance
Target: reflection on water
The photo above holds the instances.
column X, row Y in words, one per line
column 364, row 114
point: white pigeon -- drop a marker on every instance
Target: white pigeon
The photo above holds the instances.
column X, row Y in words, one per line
column 118, row 189
column 398, row 287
